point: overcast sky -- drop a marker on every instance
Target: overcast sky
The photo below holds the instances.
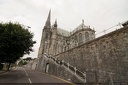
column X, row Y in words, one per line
column 100, row 14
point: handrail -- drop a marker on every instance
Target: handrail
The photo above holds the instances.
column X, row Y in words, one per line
column 112, row 28
column 73, row 69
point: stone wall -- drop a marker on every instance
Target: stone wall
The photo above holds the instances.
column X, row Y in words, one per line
column 105, row 57
column 103, row 61
column 50, row 65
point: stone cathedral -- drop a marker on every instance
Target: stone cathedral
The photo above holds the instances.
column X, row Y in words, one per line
column 101, row 61
column 55, row 40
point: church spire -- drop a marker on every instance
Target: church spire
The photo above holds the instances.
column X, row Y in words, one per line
column 55, row 25
column 82, row 21
column 49, row 16
column 48, row 22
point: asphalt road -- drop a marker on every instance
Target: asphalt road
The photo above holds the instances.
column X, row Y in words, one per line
column 26, row 76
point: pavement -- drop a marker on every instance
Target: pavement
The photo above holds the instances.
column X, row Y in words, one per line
column 28, row 76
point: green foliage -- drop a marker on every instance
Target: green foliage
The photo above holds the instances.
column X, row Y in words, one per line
column 28, row 59
column 15, row 41
column 22, row 62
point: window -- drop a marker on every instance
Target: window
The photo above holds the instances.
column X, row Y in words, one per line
column 86, row 36
column 65, row 48
column 80, row 38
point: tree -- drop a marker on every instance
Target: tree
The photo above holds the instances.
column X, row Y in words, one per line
column 22, row 62
column 15, row 41
column 28, row 59
column 25, row 61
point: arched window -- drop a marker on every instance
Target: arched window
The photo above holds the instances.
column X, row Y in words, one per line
column 80, row 38
column 65, row 48
column 86, row 36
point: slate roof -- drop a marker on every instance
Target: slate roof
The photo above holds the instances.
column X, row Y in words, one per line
column 63, row 32
column 81, row 26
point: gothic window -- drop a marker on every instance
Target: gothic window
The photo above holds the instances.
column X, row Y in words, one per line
column 46, row 45
column 80, row 38
column 65, row 48
column 86, row 36
column 46, row 35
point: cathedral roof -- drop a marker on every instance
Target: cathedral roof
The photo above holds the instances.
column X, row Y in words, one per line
column 63, row 32
column 81, row 26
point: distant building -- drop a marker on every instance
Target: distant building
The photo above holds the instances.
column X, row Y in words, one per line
column 55, row 40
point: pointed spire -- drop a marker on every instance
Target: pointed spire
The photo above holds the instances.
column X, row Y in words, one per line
column 82, row 21
column 48, row 22
column 55, row 25
column 56, row 21
column 49, row 15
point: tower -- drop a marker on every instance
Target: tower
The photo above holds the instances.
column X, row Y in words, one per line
column 46, row 34
column 53, row 38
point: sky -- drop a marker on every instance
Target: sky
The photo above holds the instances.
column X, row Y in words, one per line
column 98, row 14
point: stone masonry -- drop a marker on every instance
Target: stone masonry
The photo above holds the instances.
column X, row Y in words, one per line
column 90, row 60
column 104, row 60
column 105, row 57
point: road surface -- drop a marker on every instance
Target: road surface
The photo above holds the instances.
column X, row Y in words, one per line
column 26, row 76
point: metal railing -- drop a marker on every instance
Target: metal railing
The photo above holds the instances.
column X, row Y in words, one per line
column 112, row 28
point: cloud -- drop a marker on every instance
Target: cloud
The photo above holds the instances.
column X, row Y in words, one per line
column 100, row 14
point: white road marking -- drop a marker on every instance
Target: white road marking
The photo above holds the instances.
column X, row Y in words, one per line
column 30, row 81
column 25, row 72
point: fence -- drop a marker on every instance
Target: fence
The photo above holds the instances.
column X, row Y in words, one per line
column 110, row 29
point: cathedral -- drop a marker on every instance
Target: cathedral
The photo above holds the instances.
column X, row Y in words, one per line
column 55, row 40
